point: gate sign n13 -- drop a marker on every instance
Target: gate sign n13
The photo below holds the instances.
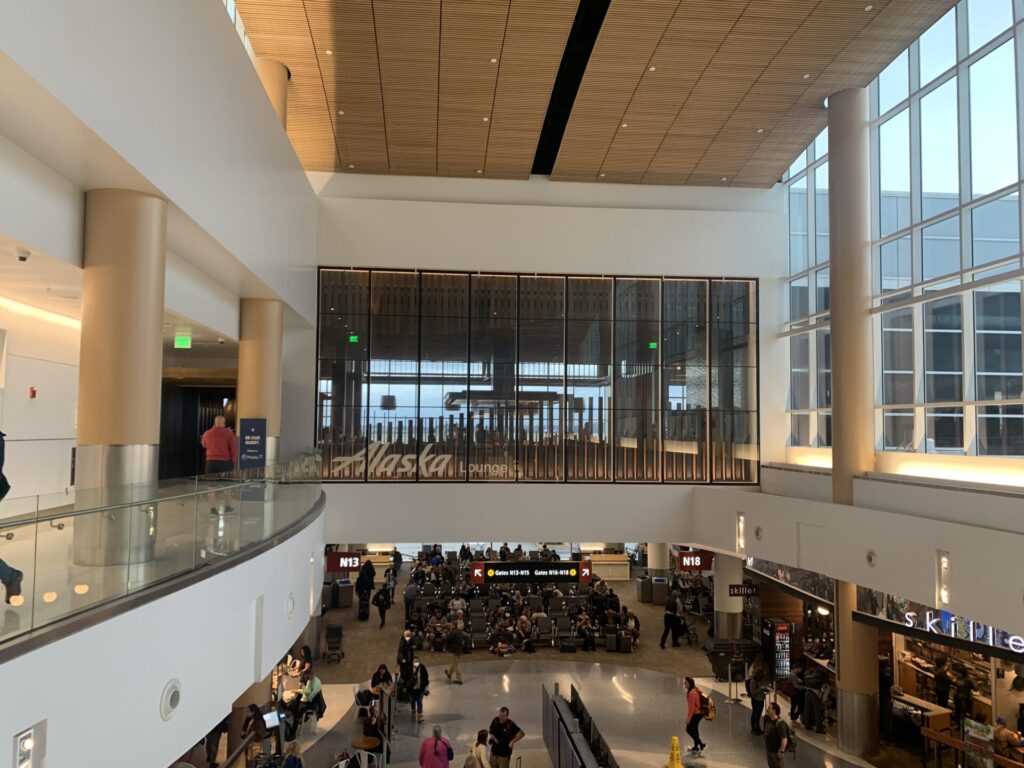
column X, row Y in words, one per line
column 252, row 436
column 695, row 561
column 531, row 572
column 345, row 562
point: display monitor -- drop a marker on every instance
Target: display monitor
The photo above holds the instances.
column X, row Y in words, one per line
column 272, row 719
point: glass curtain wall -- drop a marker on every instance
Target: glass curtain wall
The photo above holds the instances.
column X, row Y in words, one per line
column 946, row 122
column 428, row 376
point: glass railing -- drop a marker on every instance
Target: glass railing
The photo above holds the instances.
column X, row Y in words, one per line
column 85, row 548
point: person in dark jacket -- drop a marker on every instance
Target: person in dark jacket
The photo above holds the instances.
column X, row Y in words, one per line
column 11, row 577
column 672, row 614
column 419, row 679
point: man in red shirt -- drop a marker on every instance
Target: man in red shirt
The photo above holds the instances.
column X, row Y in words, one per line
column 221, row 447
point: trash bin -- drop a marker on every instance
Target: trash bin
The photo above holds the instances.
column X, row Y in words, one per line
column 643, row 589
column 659, row 589
column 346, row 593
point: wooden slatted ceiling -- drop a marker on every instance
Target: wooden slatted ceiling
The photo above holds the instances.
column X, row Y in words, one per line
column 408, row 82
column 723, row 70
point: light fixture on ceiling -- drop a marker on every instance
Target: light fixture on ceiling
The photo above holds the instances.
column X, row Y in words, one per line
column 49, row 597
column 341, row 111
column 350, row 165
column 81, row 589
column 494, row 61
column 823, row 611
column 760, row 130
column 725, row 178
column 869, row 7
column 651, row 69
column 601, row 175
column 329, row 52
column 479, row 170
column 487, row 119
column 625, row 125
column 807, row 76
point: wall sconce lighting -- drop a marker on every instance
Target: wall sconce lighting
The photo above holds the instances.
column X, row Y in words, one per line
column 30, row 746
column 741, row 539
column 823, row 611
column 942, row 580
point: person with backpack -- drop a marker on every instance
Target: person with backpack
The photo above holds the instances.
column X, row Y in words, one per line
column 778, row 736
column 504, row 734
column 436, row 751
column 382, row 599
column 695, row 709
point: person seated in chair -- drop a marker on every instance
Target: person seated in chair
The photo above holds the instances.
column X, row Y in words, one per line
column 585, row 632
column 306, row 700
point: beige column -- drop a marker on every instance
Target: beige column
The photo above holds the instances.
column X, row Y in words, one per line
column 727, row 570
column 274, row 76
column 261, row 325
column 120, row 371
column 657, row 558
column 853, row 454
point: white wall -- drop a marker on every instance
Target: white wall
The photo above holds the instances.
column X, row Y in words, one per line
column 169, row 87
column 41, row 431
column 298, row 390
column 99, row 690
column 499, row 511
column 193, row 294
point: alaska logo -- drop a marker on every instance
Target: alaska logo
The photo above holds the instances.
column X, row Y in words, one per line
column 393, row 465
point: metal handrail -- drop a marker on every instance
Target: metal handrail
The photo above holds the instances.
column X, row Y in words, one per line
column 935, row 740
column 239, row 751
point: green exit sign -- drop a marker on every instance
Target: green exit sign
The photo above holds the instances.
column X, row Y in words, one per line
column 652, row 345
column 182, row 341
column 353, row 338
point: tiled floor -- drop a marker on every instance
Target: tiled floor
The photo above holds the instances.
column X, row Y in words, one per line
column 635, row 698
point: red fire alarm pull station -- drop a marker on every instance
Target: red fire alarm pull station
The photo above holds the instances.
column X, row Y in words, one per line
column 31, row 393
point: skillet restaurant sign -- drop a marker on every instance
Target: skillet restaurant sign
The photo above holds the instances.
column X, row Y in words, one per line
column 404, row 465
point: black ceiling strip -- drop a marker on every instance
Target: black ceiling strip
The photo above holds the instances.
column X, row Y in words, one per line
column 585, row 28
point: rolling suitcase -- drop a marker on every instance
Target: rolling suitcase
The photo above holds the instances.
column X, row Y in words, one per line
column 567, row 646
column 364, row 609
column 611, row 642
column 625, row 643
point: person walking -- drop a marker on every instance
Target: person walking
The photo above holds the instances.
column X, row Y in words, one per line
column 455, row 643
column 694, row 715
column 776, row 736
column 404, row 657
column 436, row 751
column 505, row 734
column 757, row 690
column 5, row 487
column 479, row 750
column 671, row 620
column 409, row 596
column 382, row 599
column 419, row 679
column 221, row 447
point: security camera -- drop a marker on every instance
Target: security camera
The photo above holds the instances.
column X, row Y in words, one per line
column 220, row 341
column 22, row 255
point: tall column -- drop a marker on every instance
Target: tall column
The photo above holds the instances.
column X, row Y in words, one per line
column 274, row 76
column 852, row 394
column 657, row 558
column 120, row 372
column 259, row 366
column 728, row 610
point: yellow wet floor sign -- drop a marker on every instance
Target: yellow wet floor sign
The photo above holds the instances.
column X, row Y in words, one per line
column 674, row 759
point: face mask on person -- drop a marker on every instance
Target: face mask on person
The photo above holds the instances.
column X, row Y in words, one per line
column 415, row 665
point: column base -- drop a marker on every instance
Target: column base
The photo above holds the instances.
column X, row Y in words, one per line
column 858, row 723
column 271, row 455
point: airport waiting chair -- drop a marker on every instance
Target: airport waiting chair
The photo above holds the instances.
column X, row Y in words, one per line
column 563, row 630
column 544, row 630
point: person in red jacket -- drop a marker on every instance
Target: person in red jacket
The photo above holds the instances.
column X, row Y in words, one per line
column 693, row 716
column 221, row 447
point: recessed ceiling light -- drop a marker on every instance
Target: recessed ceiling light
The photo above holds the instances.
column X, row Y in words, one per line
column 651, row 69
column 487, row 119
column 807, row 77
column 869, row 7
column 494, row 61
column 350, row 165
column 760, row 130
column 725, row 178
column 625, row 125
column 329, row 52
column 479, row 170
column 602, row 175
column 341, row 111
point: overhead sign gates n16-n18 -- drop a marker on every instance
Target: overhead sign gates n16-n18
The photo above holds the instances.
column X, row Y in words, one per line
column 531, row 572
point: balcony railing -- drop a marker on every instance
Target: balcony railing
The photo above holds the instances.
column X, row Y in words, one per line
column 83, row 549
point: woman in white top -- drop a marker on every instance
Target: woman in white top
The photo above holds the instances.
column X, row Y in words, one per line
column 479, row 750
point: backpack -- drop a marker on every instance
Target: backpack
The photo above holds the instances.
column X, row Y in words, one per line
column 707, row 707
column 451, row 752
column 791, row 739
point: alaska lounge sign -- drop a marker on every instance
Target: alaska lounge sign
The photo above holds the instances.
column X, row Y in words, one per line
column 404, row 466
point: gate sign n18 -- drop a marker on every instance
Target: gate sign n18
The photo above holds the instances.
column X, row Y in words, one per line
column 346, row 562
column 530, row 572
column 695, row 561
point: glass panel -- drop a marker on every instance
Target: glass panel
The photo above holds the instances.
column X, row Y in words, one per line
column 1001, row 430
column 986, row 19
column 798, row 298
column 823, row 344
column 540, row 377
column 798, row 226
column 734, row 453
column 637, row 379
column 799, row 372
column 995, row 229
column 824, row 430
column 22, row 552
column 898, row 356
column 940, row 160
column 944, row 429
column 943, row 350
column 822, row 299
column 895, row 264
column 894, row 173
column 937, row 48
column 684, row 380
column 799, row 163
column 997, row 324
column 821, row 144
column 940, row 246
column 588, row 453
column 898, row 431
column 800, row 430
column 893, row 83
column 993, row 121
column 443, row 418
column 821, row 214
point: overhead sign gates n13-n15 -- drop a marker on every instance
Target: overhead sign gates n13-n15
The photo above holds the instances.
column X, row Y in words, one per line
column 531, row 572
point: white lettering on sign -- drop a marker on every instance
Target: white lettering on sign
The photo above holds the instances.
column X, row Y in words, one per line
column 932, row 622
column 349, row 562
column 404, row 465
